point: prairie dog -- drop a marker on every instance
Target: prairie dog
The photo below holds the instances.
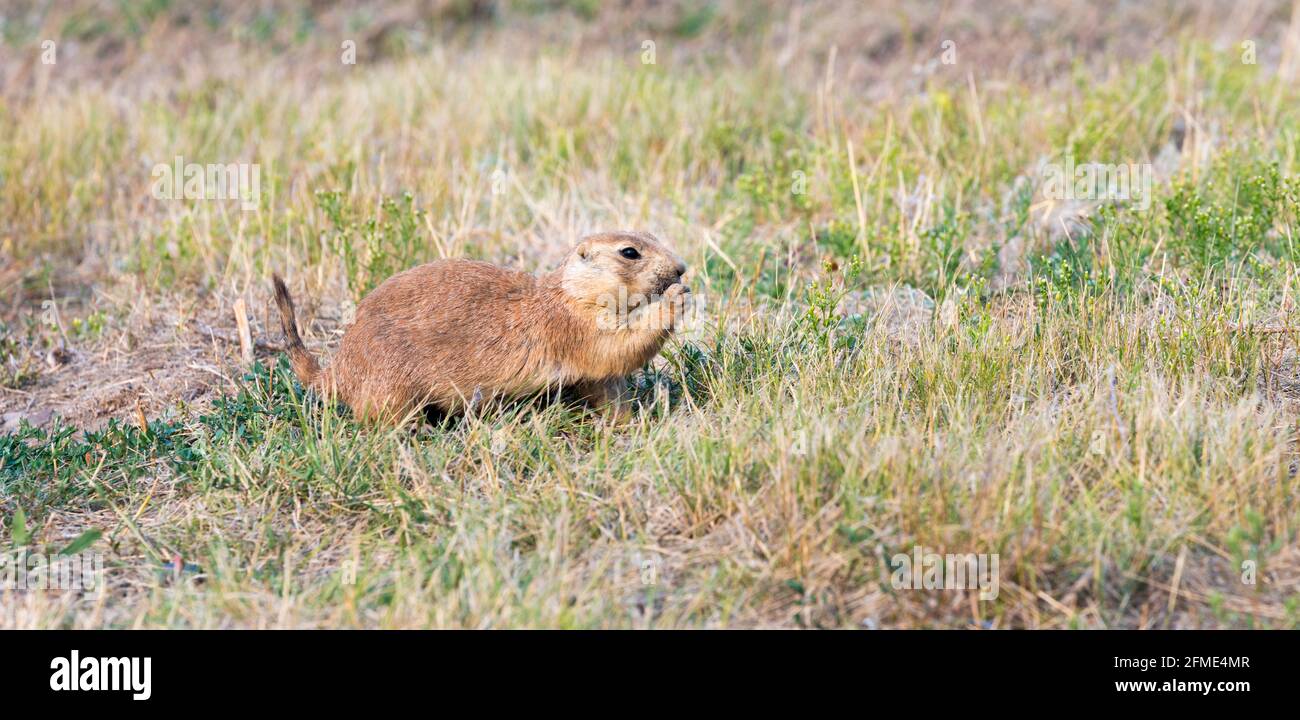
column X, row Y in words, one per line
column 453, row 331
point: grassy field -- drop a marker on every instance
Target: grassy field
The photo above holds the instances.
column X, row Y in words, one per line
column 907, row 339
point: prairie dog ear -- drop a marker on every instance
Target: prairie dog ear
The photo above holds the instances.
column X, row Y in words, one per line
column 583, row 250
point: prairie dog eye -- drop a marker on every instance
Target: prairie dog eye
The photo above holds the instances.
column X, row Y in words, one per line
column 630, row 253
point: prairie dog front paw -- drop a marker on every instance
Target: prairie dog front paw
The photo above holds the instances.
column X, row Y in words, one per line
column 672, row 308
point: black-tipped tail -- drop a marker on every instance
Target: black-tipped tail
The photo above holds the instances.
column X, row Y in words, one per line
column 304, row 365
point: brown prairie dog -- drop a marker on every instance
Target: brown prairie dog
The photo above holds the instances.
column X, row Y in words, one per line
column 449, row 331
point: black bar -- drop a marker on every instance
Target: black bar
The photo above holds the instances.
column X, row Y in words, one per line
column 238, row 670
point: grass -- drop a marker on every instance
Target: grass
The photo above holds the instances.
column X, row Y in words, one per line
column 905, row 344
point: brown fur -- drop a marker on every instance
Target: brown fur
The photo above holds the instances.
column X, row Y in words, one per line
column 304, row 365
column 451, row 331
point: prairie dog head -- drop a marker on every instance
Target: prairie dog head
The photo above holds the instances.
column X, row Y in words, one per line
column 623, row 266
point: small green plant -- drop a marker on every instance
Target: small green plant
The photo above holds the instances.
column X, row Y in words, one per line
column 820, row 325
column 1227, row 218
column 942, row 245
column 374, row 249
column 90, row 327
column 17, row 368
column 839, row 237
column 1059, row 278
column 1126, row 235
column 781, row 187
